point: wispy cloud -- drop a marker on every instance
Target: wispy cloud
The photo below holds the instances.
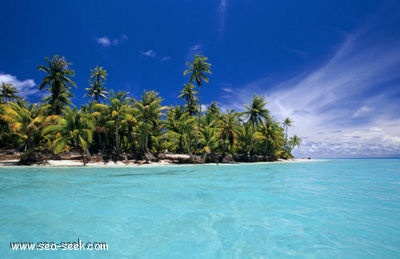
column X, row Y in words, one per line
column 166, row 58
column 227, row 89
column 106, row 41
column 338, row 107
column 223, row 4
column 148, row 53
column 195, row 49
column 25, row 87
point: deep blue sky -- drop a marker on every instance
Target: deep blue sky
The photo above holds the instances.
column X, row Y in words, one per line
column 332, row 66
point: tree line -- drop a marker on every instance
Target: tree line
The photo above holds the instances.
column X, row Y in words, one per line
column 115, row 126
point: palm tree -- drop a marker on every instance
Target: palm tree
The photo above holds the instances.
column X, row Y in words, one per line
column 188, row 93
column 209, row 137
column 172, row 125
column 97, row 79
column 180, row 125
column 245, row 138
column 257, row 114
column 119, row 113
column 73, row 130
column 23, row 122
column 198, row 70
column 270, row 135
column 149, row 111
column 213, row 110
column 287, row 123
column 229, row 122
column 59, row 83
column 293, row 142
column 8, row 93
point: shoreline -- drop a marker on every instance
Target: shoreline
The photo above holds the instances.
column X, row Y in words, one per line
column 130, row 163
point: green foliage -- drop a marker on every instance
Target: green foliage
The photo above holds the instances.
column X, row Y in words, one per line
column 58, row 83
column 8, row 92
column 188, row 93
column 97, row 79
column 73, row 131
column 122, row 126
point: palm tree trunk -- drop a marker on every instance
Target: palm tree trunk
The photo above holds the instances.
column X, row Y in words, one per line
column 188, row 149
column 116, row 137
column 265, row 148
column 286, row 128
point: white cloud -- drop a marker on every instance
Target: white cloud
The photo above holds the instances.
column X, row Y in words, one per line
column 196, row 48
column 148, row 53
column 353, row 92
column 362, row 111
column 227, row 89
column 25, row 87
column 166, row 58
column 223, row 4
column 105, row 41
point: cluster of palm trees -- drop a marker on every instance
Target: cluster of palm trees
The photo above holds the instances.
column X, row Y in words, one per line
column 117, row 126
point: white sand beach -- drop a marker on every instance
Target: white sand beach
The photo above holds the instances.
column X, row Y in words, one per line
column 132, row 163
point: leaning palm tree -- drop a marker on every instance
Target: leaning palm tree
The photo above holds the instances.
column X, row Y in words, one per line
column 198, row 71
column 58, row 81
column 8, row 92
column 97, row 79
column 293, row 142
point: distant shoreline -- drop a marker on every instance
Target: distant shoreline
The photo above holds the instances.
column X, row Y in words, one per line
column 130, row 163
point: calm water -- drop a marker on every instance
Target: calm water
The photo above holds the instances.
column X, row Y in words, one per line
column 321, row 209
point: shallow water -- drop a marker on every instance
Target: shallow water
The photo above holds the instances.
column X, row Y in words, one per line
column 333, row 208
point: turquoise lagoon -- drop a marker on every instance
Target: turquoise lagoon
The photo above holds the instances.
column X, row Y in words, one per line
column 322, row 209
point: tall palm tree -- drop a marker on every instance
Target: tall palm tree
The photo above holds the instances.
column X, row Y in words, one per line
column 188, row 93
column 118, row 114
column 287, row 123
column 149, row 111
column 257, row 114
column 97, row 79
column 58, row 81
column 198, row 71
column 8, row 92
column 229, row 123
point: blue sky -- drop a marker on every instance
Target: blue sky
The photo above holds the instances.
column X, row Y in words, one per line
column 331, row 66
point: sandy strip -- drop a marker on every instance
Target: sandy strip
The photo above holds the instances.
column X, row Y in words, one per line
column 74, row 163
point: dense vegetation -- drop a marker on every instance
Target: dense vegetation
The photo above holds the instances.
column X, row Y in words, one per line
column 114, row 126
